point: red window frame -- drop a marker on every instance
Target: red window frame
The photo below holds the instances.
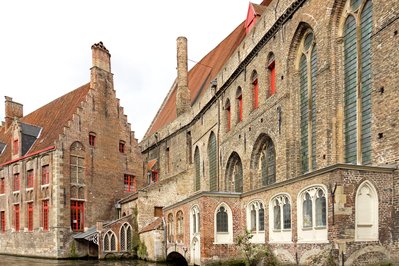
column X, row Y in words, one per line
column 15, row 146
column 129, row 182
column 2, row 185
column 256, row 93
column 272, row 73
column 45, row 214
column 17, row 182
column 45, row 174
column 3, row 221
column 30, row 216
column 16, row 217
column 29, row 179
column 121, row 146
column 77, row 215
column 92, row 139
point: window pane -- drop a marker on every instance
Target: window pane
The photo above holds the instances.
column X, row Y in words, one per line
column 287, row 215
column 307, row 211
column 277, row 216
column 253, row 220
column 221, row 221
column 320, row 209
column 261, row 219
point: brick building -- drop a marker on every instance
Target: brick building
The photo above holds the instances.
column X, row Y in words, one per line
column 287, row 128
column 63, row 168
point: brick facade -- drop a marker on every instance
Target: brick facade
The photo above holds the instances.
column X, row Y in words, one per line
column 281, row 32
column 87, row 175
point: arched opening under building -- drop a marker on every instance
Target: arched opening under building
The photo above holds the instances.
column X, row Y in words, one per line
column 176, row 259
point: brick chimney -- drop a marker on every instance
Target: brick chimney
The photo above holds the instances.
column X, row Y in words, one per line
column 101, row 57
column 183, row 102
column 12, row 110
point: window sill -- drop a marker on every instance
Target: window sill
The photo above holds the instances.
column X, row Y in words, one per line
column 2, row 194
column 281, row 242
column 29, row 189
column 310, row 241
column 44, row 186
column 15, row 192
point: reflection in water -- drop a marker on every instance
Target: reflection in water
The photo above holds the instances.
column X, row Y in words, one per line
column 23, row 261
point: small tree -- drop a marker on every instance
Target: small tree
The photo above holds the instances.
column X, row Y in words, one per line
column 248, row 249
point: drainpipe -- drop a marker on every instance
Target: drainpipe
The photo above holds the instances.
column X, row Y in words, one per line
column 332, row 191
column 165, row 237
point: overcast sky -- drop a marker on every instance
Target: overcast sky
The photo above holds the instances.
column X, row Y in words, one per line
column 46, row 47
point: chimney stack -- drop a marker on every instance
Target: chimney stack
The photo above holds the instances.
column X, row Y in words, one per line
column 101, row 57
column 183, row 101
column 12, row 110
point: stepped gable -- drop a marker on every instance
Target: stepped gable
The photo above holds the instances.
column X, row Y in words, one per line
column 52, row 118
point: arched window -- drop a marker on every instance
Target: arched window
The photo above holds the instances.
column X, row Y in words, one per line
column 239, row 104
column 223, row 225
column 212, row 159
column 179, row 225
column 357, row 82
column 366, row 212
column 307, row 73
column 280, row 219
column 255, row 90
column 256, row 221
column 227, row 108
column 234, row 174
column 263, row 162
column 197, row 162
column 312, row 214
column 195, row 220
column 170, row 228
column 271, row 72
column 109, row 242
column 126, row 237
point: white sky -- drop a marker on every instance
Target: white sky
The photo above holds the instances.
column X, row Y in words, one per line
column 46, row 47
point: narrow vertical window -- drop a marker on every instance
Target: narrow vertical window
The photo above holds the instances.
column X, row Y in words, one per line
column 189, row 143
column 92, row 139
column 126, row 237
column 277, row 215
column 170, row 228
column 255, row 90
column 16, row 217
column 167, row 159
column 77, row 215
column 197, row 161
column 271, row 69
column 17, row 182
column 29, row 179
column 2, row 185
column 212, row 159
column 357, row 83
column 77, row 169
column 45, row 175
column 3, row 221
column 228, row 115
column 307, row 73
column 121, row 146
column 30, row 216
column 321, row 211
column 239, row 104
column 109, row 242
column 45, row 213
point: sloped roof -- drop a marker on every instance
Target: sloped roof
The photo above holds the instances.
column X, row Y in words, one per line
column 200, row 76
column 52, row 118
column 154, row 225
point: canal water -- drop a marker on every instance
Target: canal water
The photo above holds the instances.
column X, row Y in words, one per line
column 23, row 261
